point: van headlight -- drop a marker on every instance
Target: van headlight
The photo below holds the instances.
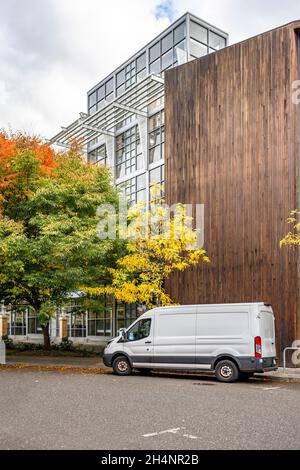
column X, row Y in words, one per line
column 108, row 344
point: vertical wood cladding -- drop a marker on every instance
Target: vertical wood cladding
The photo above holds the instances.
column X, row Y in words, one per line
column 232, row 145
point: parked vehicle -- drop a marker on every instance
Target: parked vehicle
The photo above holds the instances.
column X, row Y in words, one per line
column 233, row 340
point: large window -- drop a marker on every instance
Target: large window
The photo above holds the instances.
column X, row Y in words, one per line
column 156, row 176
column 126, row 314
column 104, row 93
column 131, row 73
column 77, row 322
column 179, row 33
column 198, row 32
column 197, row 49
column 203, row 41
column 215, row 41
column 23, row 321
column 129, row 152
column 140, row 330
column 99, row 323
column 77, row 325
column 98, row 155
column 198, row 40
column 18, row 322
column 162, row 55
column 34, row 327
column 100, row 319
column 134, row 189
column 156, row 137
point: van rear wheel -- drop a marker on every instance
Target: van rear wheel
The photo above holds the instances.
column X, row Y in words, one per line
column 121, row 366
column 227, row 371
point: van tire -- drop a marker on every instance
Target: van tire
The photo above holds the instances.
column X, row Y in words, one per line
column 121, row 366
column 227, row 371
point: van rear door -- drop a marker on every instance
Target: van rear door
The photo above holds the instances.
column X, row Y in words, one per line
column 267, row 332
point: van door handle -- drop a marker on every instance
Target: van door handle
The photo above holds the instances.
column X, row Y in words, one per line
column 148, row 342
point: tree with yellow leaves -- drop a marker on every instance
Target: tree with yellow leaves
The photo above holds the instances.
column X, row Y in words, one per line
column 293, row 237
column 158, row 244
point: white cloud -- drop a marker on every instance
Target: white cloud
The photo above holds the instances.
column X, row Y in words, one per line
column 53, row 51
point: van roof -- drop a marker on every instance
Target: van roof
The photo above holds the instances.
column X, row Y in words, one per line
column 259, row 304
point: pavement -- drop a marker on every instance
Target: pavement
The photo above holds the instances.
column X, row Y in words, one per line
column 94, row 363
column 45, row 411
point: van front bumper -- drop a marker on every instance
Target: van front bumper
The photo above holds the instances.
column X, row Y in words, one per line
column 107, row 360
column 255, row 364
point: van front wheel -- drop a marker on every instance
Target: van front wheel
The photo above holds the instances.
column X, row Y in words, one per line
column 227, row 371
column 121, row 366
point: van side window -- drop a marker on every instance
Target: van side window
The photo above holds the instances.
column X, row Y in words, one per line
column 140, row 330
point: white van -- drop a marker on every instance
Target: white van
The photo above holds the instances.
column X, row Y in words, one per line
column 233, row 340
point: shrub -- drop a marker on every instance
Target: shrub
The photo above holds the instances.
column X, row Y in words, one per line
column 66, row 345
column 8, row 342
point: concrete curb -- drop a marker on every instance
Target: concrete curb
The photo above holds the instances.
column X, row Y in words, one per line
column 278, row 378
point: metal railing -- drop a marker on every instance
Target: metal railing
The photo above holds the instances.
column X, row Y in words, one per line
column 284, row 355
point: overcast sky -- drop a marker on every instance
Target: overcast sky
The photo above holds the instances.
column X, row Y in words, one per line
column 53, row 51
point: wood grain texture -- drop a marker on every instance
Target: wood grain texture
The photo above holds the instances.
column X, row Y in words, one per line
column 232, row 144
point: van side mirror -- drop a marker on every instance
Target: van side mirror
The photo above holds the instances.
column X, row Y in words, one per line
column 122, row 333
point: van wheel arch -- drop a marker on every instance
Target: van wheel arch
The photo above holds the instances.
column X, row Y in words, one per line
column 224, row 358
column 121, row 353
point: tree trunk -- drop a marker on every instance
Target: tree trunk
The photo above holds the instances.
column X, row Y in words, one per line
column 47, row 343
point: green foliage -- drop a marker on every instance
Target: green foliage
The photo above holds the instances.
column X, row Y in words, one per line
column 65, row 345
column 46, row 312
column 7, row 341
column 22, row 347
column 48, row 240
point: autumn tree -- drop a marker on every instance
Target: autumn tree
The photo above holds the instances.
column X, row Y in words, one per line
column 158, row 245
column 48, row 241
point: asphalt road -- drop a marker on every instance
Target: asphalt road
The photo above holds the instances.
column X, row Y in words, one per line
column 41, row 410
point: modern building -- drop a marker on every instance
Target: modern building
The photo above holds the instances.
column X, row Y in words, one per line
column 123, row 127
column 229, row 140
column 237, row 153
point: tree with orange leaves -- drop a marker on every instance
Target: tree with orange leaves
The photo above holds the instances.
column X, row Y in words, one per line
column 48, row 239
column 23, row 160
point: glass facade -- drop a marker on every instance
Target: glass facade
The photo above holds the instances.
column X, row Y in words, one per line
column 162, row 55
column 98, row 155
column 101, row 96
column 204, row 41
column 134, row 189
column 100, row 321
column 128, row 152
column 23, row 321
column 90, row 323
column 125, row 315
column 18, row 322
column 156, row 137
column 77, row 323
column 139, row 149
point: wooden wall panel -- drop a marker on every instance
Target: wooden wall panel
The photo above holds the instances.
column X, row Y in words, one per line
column 232, row 144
